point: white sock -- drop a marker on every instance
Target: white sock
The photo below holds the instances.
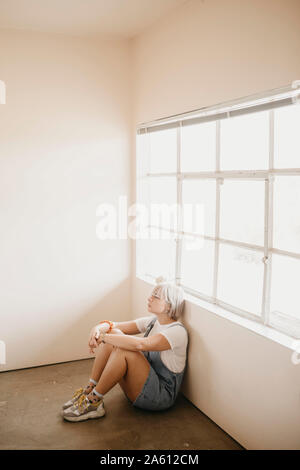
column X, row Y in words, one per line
column 99, row 395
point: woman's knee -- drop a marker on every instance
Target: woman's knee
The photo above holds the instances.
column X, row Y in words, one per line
column 133, row 357
column 104, row 347
column 119, row 351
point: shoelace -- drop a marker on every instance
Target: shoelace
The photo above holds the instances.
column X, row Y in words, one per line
column 82, row 403
column 77, row 393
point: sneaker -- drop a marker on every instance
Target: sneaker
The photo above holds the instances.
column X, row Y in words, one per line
column 73, row 400
column 83, row 409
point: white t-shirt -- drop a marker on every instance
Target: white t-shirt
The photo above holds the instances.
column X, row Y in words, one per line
column 174, row 358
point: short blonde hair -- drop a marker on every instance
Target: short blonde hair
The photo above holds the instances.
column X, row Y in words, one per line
column 173, row 295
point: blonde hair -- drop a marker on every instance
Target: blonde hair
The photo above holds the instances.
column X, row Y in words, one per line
column 173, row 295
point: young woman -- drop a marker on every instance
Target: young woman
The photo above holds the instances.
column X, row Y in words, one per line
column 149, row 369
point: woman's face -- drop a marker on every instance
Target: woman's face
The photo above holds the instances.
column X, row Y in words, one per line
column 156, row 304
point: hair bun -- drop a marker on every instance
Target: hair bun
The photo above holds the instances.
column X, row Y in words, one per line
column 160, row 280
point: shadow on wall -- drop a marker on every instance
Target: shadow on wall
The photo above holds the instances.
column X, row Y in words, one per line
column 71, row 341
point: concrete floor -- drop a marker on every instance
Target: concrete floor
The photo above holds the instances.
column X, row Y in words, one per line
column 30, row 402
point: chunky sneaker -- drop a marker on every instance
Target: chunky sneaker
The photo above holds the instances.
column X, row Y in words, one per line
column 73, row 400
column 83, row 409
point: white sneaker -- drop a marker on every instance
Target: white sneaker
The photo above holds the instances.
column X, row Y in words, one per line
column 73, row 400
column 83, row 409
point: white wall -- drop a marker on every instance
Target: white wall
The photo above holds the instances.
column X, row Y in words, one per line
column 203, row 54
column 207, row 52
column 64, row 149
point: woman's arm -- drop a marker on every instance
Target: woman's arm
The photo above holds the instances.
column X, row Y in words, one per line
column 156, row 342
column 121, row 340
column 127, row 327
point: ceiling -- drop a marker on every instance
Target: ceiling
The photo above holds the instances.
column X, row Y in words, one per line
column 121, row 18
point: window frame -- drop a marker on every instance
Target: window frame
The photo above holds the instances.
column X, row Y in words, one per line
column 266, row 175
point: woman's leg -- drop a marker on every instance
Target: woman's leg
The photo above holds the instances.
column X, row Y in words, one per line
column 102, row 355
column 129, row 368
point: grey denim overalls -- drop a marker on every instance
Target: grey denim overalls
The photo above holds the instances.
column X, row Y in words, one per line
column 162, row 385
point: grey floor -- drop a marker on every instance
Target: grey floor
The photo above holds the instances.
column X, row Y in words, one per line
column 30, row 401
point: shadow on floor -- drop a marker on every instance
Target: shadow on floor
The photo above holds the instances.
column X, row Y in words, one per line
column 30, row 417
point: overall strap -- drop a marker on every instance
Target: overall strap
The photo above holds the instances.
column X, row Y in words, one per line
column 149, row 327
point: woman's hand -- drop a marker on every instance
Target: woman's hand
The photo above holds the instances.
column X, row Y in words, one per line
column 114, row 331
column 94, row 335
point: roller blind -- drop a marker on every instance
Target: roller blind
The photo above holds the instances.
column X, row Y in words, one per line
column 250, row 104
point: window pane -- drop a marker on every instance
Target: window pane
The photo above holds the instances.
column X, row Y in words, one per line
column 142, row 214
column 163, row 151
column 242, row 211
column 240, row 281
column 156, row 256
column 142, row 157
column 286, row 135
column 197, row 264
column 141, row 257
column 287, row 213
column 142, row 191
column 163, row 198
column 285, row 299
column 199, row 197
column 198, row 147
column 245, row 142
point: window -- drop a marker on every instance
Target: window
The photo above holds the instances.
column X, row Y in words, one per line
column 239, row 166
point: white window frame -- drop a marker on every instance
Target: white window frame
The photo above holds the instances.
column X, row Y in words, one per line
column 268, row 101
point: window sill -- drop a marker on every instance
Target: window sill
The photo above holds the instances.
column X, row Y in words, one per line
column 262, row 330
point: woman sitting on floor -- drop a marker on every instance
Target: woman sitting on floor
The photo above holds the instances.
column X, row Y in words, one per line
column 149, row 369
